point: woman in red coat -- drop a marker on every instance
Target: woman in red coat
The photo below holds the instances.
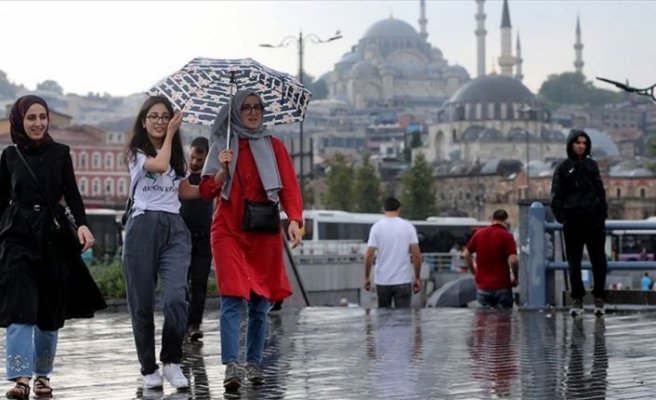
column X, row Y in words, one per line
column 249, row 264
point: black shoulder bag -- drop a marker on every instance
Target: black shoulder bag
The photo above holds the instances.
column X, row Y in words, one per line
column 260, row 216
column 63, row 223
column 129, row 204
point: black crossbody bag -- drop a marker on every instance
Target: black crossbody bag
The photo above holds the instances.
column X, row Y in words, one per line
column 259, row 216
column 63, row 222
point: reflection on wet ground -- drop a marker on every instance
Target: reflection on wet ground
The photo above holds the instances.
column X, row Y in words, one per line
column 351, row 353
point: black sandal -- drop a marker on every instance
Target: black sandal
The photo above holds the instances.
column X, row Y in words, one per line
column 19, row 392
column 42, row 386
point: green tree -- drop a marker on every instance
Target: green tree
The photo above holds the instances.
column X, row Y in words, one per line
column 339, row 184
column 7, row 89
column 309, row 197
column 572, row 88
column 50, row 86
column 367, row 193
column 419, row 190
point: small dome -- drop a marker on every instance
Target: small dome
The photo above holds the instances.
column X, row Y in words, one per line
column 493, row 88
column 364, row 68
column 490, row 134
column 456, row 71
column 390, row 28
column 350, row 58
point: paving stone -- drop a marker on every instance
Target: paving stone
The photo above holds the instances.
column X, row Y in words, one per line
column 352, row 353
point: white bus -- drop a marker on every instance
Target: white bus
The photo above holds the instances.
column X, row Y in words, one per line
column 436, row 234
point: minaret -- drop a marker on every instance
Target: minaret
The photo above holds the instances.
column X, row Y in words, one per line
column 506, row 60
column 422, row 20
column 578, row 47
column 518, row 60
column 480, row 38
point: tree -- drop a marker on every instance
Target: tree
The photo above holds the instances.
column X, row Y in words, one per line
column 317, row 87
column 50, row 86
column 419, row 190
column 7, row 89
column 572, row 88
column 339, row 184
column 367, row 193
column 308, row 194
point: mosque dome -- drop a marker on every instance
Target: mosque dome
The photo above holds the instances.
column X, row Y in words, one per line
column 493, row 88
column 364, row 68
column 456, row 71
column 391, row 28
column 350, row 58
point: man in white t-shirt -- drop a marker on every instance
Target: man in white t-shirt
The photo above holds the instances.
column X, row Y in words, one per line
column 392, row 240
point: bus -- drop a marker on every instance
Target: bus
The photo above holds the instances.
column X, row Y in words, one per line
column 435, row 234
column 627, row 244
column 105, row 224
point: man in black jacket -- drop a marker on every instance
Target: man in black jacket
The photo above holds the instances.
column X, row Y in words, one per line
column 578, row 201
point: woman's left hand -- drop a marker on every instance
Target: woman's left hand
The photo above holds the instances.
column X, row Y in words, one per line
column 294, row 232
column 85, row 237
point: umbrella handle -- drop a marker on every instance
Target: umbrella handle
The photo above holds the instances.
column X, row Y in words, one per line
column 231, row 95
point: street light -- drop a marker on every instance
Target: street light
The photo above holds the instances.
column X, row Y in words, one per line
column 526, row 109
column 300, row 42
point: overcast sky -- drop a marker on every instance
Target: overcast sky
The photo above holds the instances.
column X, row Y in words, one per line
column 123, row 47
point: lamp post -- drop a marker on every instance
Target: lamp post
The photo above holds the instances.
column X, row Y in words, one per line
column 300, row 42
column 527, row 117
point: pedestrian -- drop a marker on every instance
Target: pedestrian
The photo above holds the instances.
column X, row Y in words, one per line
column 157, row 242
column 496, row 258
column 256, row 171
column 197, row 215
column 578, row 201
column 392, row 240
column 646, row 282
column 43, row 280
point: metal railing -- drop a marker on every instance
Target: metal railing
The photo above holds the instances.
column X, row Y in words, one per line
column 540, row 267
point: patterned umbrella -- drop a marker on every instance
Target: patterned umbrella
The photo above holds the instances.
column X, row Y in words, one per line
column 202, row 86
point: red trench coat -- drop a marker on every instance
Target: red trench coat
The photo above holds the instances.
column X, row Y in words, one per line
column 246, row 261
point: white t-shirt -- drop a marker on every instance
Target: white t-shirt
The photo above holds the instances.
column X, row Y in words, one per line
column 153, row 191
column 392, row 237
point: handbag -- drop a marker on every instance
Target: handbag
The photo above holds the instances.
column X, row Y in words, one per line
column 128, row 205
column 63, row 222
column 260, row 216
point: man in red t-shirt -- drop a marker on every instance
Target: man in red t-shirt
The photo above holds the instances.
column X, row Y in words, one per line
column 496, row 251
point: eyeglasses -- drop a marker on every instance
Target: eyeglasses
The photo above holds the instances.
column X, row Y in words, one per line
column 154, row 118
column 256, row 108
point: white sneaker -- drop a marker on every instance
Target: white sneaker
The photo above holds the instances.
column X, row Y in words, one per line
column 152, row 381
column 173, row 374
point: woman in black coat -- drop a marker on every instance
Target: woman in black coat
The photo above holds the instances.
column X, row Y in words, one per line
column 43, row 280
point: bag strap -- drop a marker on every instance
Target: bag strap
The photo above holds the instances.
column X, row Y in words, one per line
column 38, row 184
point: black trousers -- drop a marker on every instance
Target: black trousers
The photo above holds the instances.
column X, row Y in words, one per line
column 592, row 235
column 197, row 275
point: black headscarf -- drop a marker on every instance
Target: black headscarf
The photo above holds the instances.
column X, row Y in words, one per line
column 16, row 117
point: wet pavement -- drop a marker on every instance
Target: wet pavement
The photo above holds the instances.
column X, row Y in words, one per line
column 354, row 353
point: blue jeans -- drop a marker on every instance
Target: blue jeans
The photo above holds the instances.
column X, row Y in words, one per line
column 495, row 298
column 30, row 351
column 258, row 308
column 157, row 243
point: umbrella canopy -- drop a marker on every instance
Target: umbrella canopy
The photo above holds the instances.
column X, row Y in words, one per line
column 456, row 293
column 202, row 86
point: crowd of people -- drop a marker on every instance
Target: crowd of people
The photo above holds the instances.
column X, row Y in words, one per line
column 198, row 206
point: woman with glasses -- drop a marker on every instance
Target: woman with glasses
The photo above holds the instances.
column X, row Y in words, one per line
column 249, row 264
column 157, row 242
column 43, row 281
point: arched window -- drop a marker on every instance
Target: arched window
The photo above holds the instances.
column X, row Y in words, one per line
column 643, row 193
column 95, row 160
column 122, row 187
column 109, row 186
column 95, row 187
column 120, row 163
column 109, row 161
column 618, row 192
column 84, row 186
column 83, row 160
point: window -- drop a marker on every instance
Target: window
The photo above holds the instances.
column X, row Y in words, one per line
column 643, row 193
column 109, row 186
column 84, row 186
column 83, row 160
column 95, row 191
column 109, row 161
column 95, row 160
column 122, row 187
column 120, row 162
column 618, row 192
